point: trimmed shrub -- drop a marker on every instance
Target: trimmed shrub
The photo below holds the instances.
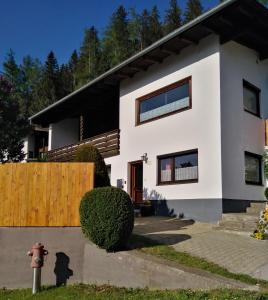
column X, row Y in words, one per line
column 107, row 217
column 88, row 153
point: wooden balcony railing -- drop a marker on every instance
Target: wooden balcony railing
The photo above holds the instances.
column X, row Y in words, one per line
column 107, row 143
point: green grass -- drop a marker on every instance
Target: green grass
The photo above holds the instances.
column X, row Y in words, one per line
column 149, row 246
column 82, row 292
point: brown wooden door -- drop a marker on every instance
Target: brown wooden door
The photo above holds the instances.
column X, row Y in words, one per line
column 136, row 181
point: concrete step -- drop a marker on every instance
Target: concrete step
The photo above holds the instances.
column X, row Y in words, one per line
column 259, row 205
column 239, row 222
column 254, row 210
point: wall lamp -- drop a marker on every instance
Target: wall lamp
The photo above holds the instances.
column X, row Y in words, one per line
column 144, row 157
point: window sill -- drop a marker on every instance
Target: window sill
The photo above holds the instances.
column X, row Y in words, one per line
column 251, row 113
column 178, row 182
column 254, row 183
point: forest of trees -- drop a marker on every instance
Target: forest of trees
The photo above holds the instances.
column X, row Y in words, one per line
column 37, row 85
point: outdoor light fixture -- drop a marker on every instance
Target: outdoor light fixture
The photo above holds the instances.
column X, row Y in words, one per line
column 144, row 157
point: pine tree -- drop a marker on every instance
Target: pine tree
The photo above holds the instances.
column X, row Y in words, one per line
column 65, row 83
column 173, row 17
column 31, row 74
column 193, row 10
column 155, row 25
column 49, row 85
column 73, row 66
column 145, row 33
column 88, row 63
column 13, row 126
column 116, row 42
column 11, row 69
column 134, row 30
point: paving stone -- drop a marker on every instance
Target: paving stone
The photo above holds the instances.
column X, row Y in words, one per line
column 237, row 252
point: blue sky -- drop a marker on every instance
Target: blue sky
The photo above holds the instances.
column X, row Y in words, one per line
column 37, row 26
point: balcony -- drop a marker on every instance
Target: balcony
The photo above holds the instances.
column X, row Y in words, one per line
column 107, row 143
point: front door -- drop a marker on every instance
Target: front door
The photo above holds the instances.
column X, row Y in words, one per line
column 136, row 181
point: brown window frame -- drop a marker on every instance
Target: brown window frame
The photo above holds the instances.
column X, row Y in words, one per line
column 159, row 92
column 257, row 92
column 173, row 156
column 259, row 157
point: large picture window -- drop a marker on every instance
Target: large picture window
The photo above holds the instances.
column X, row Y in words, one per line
column 253, row 168
column 168, row 100
column 251, row 98
column 178, row 168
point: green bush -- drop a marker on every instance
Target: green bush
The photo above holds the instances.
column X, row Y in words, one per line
column 107, row 217
column 88, row 153
column 266, row 193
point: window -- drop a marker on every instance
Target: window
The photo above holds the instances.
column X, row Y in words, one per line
column 253, row 168
column 178, row 168
column 168, row 100
column 251, row 97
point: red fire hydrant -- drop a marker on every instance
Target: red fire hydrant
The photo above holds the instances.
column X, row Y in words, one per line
column 37, row 253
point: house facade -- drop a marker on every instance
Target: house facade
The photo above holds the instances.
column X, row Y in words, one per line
column 183, row 122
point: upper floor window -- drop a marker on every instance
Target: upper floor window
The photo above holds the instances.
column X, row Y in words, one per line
column 253, row 168
column 251, row 97
column 178, row 168
column 168, row 100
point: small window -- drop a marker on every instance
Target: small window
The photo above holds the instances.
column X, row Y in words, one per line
column 251, row 96
column 253, row 168
column 168, row 100
column 178, row 168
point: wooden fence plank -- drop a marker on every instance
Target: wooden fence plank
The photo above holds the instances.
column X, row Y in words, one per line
column 43, row 194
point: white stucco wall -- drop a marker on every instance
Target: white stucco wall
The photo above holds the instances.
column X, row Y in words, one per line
column 241, row 131
column 198, row 127
column 28, row 145
column 63, row 133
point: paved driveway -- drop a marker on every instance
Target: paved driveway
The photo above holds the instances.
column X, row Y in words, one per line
column 239, row 253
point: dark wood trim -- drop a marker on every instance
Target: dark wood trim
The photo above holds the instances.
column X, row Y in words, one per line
column 129, row 181
column 259, row 157
column 161, row 91
column 172, row 157
column 257, row 91
column 81, row 128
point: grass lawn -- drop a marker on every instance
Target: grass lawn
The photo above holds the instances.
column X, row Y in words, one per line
column 149, row 246
column 80, row 292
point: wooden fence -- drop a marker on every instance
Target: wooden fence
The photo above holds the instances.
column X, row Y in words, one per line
column 43, row 194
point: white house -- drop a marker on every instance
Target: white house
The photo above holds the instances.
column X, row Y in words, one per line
column 189, row 112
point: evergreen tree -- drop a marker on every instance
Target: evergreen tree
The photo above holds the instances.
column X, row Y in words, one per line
column 31, row 74
column 73, row 66
column 134, row 30
column 193, row 10
column 13, row 126
column 145, row 33
column 49, row 86
column 116, row 42
column 173, row 17
column 65, row 84
column 88, row 63
column 11, row 69
column 155, row 25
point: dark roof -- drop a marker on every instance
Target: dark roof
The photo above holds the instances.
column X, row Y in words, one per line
column 243, row 21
